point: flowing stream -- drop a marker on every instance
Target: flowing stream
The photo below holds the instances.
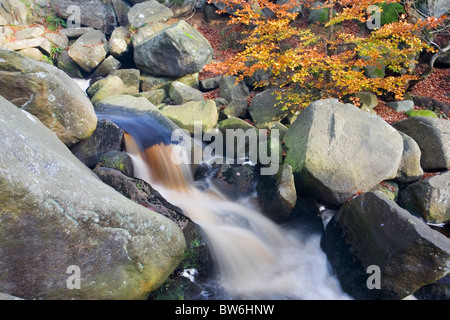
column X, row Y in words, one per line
column 256, row 258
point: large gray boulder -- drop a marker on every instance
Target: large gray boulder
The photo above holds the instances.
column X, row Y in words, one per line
column 89, row 50
column 56, row 214
column 337, row 150
column 371, row 238
column 186, row 115
column 176, row 51
column 49, row 94
column 148, row 12
column 433, row 137
column 99, row 14
column 429, row 198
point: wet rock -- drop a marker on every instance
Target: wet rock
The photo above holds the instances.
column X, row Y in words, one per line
column 409, row 169
column 66, row 64
column 117, row 160
column 8, row 297
column 372, row 232
column 440, row 290
column 178, row 288
column 187, row 114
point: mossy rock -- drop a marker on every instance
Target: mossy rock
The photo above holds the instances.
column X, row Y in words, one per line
column 390, row 12
column 117, row 160
column 423, row 113
column 319, row 14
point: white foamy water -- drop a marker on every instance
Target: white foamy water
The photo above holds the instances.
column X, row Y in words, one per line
column 256, row 258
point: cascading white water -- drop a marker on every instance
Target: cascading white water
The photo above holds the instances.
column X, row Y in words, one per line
column 257, row 259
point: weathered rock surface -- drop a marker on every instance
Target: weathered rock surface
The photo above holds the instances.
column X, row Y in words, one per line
column 142, row 193
column 185, row 116
column 89, row 50
column 277, row 195
column 433, row 137
column 49, row 94
column 147, row 12
column 409, row 169
column 180, row 93
column 372, row 232
column 56, row 213
column 336, row 150
column 119, row 42
column 107, row 137
column 98, row 14
column 176, row 51
column 266, row 109
column 429, row 198
column 110, row 86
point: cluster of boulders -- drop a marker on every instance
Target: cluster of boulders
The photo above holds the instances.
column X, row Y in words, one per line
column 386, row 184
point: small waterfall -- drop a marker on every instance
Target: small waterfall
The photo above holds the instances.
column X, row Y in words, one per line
column 256, row 258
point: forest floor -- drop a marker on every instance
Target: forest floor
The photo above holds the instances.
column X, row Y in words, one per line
column 225, row 41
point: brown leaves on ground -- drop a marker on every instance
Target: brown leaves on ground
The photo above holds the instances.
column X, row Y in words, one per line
column 436, row 86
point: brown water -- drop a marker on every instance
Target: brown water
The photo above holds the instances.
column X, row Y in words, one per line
column 257, row 259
